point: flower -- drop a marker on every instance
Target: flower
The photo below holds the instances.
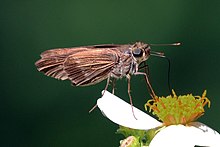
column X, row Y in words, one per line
column 173, row 109
column 176, row 128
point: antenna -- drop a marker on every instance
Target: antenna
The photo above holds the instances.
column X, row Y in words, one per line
column 171, row 44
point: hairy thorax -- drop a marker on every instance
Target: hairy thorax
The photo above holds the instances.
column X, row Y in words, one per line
column 126, row 65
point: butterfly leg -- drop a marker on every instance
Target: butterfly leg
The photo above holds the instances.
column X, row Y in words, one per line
column 113, row 85
column 129, row 94
column 150, row 89
column 146, row 68
column 106, row 87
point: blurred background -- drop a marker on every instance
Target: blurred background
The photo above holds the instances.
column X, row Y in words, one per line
column 36, row 110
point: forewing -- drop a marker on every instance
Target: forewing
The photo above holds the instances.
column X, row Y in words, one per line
column 90, row 66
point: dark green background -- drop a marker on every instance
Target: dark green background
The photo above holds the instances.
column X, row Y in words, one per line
column 40, row 111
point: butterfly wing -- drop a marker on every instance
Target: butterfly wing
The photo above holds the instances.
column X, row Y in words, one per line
column 91, row 66
column 82, row 65
column 51, row 62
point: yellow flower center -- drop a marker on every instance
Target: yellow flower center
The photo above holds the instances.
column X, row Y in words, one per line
column 173, row 110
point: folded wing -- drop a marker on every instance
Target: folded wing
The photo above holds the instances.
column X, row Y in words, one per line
column 82, row 66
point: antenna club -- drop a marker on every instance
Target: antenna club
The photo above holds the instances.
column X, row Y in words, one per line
column 178, row 43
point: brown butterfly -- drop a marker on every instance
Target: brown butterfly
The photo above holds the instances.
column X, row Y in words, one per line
column 88, row 65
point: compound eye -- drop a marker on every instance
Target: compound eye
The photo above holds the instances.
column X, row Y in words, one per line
column 137, row 52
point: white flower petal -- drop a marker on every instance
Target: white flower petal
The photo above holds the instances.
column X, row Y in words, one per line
column 185, row 136
column 211, row 137
column 120, row 112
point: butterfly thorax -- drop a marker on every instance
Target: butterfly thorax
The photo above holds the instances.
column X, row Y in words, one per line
column 126, row 65
column 129, row 59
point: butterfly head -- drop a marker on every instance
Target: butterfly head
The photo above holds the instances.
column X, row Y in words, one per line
column 140, row 51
